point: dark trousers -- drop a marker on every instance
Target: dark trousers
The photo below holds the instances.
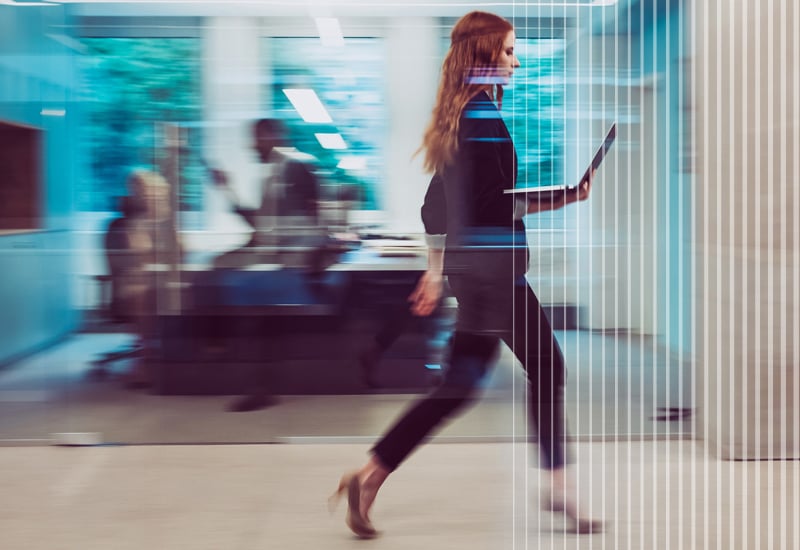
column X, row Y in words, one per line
column 531, row 339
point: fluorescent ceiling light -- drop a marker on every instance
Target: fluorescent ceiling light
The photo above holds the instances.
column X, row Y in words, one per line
column 330, row 33
column 53, row 112
column 308, row 105
column 352, row 162
column 331, row 141
column 604, row 2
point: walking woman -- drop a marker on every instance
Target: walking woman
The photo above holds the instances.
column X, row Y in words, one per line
column 477, row 238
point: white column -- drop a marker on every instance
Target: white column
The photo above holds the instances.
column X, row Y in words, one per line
column 233, row 99
column 746, row 217
column 414, row 56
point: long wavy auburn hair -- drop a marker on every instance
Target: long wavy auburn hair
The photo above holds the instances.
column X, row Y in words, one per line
column 476, row 43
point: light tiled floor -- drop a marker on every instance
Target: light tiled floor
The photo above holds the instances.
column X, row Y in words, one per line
column 654, row 495
column 482, row 493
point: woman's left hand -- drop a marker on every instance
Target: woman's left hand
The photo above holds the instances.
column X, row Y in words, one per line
column 581, row 194
column 583, row 189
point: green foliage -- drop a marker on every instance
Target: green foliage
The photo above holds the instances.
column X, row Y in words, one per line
column 130, row 85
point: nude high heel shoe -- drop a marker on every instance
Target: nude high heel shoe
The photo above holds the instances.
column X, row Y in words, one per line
column 582, row 525
column 357, row 523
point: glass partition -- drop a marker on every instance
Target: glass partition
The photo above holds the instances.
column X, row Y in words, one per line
column 220, row 331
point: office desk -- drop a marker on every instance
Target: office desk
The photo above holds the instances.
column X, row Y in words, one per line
column 218, row 330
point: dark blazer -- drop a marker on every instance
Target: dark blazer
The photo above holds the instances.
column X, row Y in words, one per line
column 466, row 202
column 299, row 196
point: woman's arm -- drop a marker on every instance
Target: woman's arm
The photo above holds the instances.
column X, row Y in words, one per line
column 428, row 291
column 568, row 198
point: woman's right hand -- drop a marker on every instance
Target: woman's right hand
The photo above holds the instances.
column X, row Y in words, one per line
column 427, row 293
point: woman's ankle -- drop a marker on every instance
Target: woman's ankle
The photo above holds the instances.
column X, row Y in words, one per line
column 370, row 478
column 558, row 480
column 373, row 473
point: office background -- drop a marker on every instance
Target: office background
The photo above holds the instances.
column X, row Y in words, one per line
column 93, row 81
column 675, row 286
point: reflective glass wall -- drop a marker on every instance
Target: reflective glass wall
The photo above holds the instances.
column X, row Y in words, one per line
column 174, row 94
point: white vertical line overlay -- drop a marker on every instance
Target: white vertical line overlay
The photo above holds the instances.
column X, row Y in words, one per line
column 589, row 98
column 784, row 249
column 718, row 255
column 696, row 179
column 730, row 245
column 795, row 257
column 654, row 236
column 680, row 148
column 742, row 184
column 781, row 337
column 688, row 173
column 642, row 238
column 514, row 445
column 706, row 275
column 526, row 393
column 630, row 244
column 769, row 336
column 566, row 240
column 604, row 224
column 667, row 213
column 617, row 240
column 756, row 334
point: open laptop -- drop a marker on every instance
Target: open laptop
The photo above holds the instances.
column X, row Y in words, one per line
column 547, row 192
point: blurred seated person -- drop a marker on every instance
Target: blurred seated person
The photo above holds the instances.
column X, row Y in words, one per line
column 145, row 235
column 121, row 260
column 286, row 227
column 119, row 294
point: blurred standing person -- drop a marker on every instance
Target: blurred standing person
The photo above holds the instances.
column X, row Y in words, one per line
column 477, row 238
column 288, row 214
column 285, row 225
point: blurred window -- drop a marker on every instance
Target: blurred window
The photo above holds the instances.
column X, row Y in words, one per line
column 129, row 87
column 533, row 106
column 349, row 82
column 534, row 110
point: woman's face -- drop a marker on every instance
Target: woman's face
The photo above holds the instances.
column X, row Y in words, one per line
column 507, row 61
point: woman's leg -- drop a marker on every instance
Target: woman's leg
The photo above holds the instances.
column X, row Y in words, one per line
column 535, row 345
column 470, row 357
column 532, row 340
